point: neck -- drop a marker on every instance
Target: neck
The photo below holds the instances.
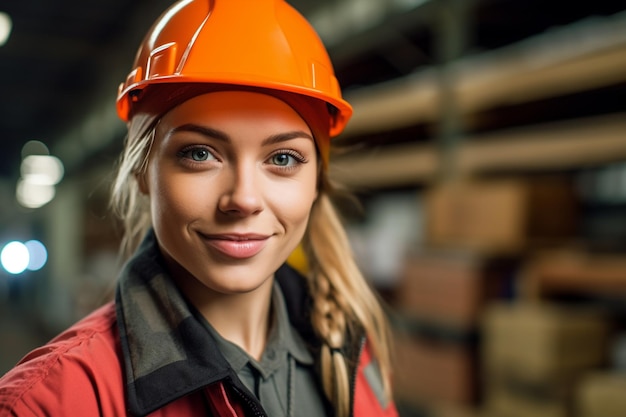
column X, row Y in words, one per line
column 241, row 318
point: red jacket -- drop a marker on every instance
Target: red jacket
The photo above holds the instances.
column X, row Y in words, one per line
column 165, row 370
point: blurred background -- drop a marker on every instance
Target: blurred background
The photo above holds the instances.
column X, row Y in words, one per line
column 487, row 154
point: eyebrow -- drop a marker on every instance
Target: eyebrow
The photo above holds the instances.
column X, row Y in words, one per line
column 203, row 130
column 222, row 136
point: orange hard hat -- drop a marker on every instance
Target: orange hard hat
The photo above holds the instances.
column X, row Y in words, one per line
column 264, row 44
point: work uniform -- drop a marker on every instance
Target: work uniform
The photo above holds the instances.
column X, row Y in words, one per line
column 151, row 353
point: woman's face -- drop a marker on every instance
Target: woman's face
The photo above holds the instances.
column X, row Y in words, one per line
column 231, row 180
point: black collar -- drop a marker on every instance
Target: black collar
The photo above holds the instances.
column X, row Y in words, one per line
column 167, row 351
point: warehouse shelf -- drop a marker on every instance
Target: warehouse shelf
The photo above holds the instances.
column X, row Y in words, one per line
column 583, row 56
column 545, row 147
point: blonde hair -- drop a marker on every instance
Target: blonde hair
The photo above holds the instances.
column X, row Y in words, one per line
column 127, row 202
column 343, row 302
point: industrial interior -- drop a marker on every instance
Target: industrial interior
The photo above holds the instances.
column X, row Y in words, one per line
column 487, row 161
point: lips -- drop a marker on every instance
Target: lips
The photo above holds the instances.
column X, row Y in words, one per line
column 237, row 246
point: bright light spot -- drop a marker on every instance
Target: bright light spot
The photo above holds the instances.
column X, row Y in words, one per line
column 38, row 255
column 40, row 173
column 14, row 257
column 34, row 147
column 42, row 169
column 5, row 27
column 32, row 195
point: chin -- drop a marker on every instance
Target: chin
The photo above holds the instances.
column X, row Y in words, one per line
column 235, row 279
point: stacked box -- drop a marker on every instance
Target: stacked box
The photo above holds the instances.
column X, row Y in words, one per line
column 449, row 288
column 569, row 271
column 507, row 403
column 601, row 395
column 453, row 410
column 534, row 353
column 503, row 216
column 430, row 372
column 535, row 341
column 439, row 298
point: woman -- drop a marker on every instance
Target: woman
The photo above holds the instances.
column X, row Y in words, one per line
column 230, row 108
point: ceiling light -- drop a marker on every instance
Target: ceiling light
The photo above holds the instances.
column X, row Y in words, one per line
column 34, row 147
column 5, row 27
column 38, row 255
column 42, row 169
column 33, row 195
column 14, row 257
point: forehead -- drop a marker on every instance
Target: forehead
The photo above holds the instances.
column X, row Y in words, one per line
column 239, row 107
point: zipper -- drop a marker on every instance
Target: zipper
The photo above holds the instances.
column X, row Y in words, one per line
column 252, row 404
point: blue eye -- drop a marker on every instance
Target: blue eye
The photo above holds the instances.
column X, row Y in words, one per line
column 199, row 154
column 282, row 159
column 286, row 159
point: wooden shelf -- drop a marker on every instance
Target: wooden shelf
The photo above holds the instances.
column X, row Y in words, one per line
column 563, row 145
column 546, row 65
column 575, row 272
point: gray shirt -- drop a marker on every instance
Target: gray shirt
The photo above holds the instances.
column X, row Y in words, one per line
column 283, row 380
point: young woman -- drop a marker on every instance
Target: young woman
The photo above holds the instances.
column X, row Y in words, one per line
column 230, row 106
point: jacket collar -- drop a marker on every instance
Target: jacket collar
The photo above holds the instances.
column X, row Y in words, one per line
column 168, row 353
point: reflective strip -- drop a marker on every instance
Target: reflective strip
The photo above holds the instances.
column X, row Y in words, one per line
column 375, row 381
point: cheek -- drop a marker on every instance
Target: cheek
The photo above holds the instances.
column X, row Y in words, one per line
column 294, row 201
column 173, row 197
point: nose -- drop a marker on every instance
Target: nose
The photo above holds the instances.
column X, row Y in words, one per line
column 241, row 194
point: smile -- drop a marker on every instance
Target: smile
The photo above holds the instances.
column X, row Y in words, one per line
column 236, row 246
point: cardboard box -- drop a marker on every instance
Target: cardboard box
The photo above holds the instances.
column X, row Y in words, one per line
column 574, row 272
column 506, row 403
column 507, row 393
column 500, row 216
column 428, row 372
column 453, row 410
column 449, row 288
column 602, row 395
column 541, row 341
